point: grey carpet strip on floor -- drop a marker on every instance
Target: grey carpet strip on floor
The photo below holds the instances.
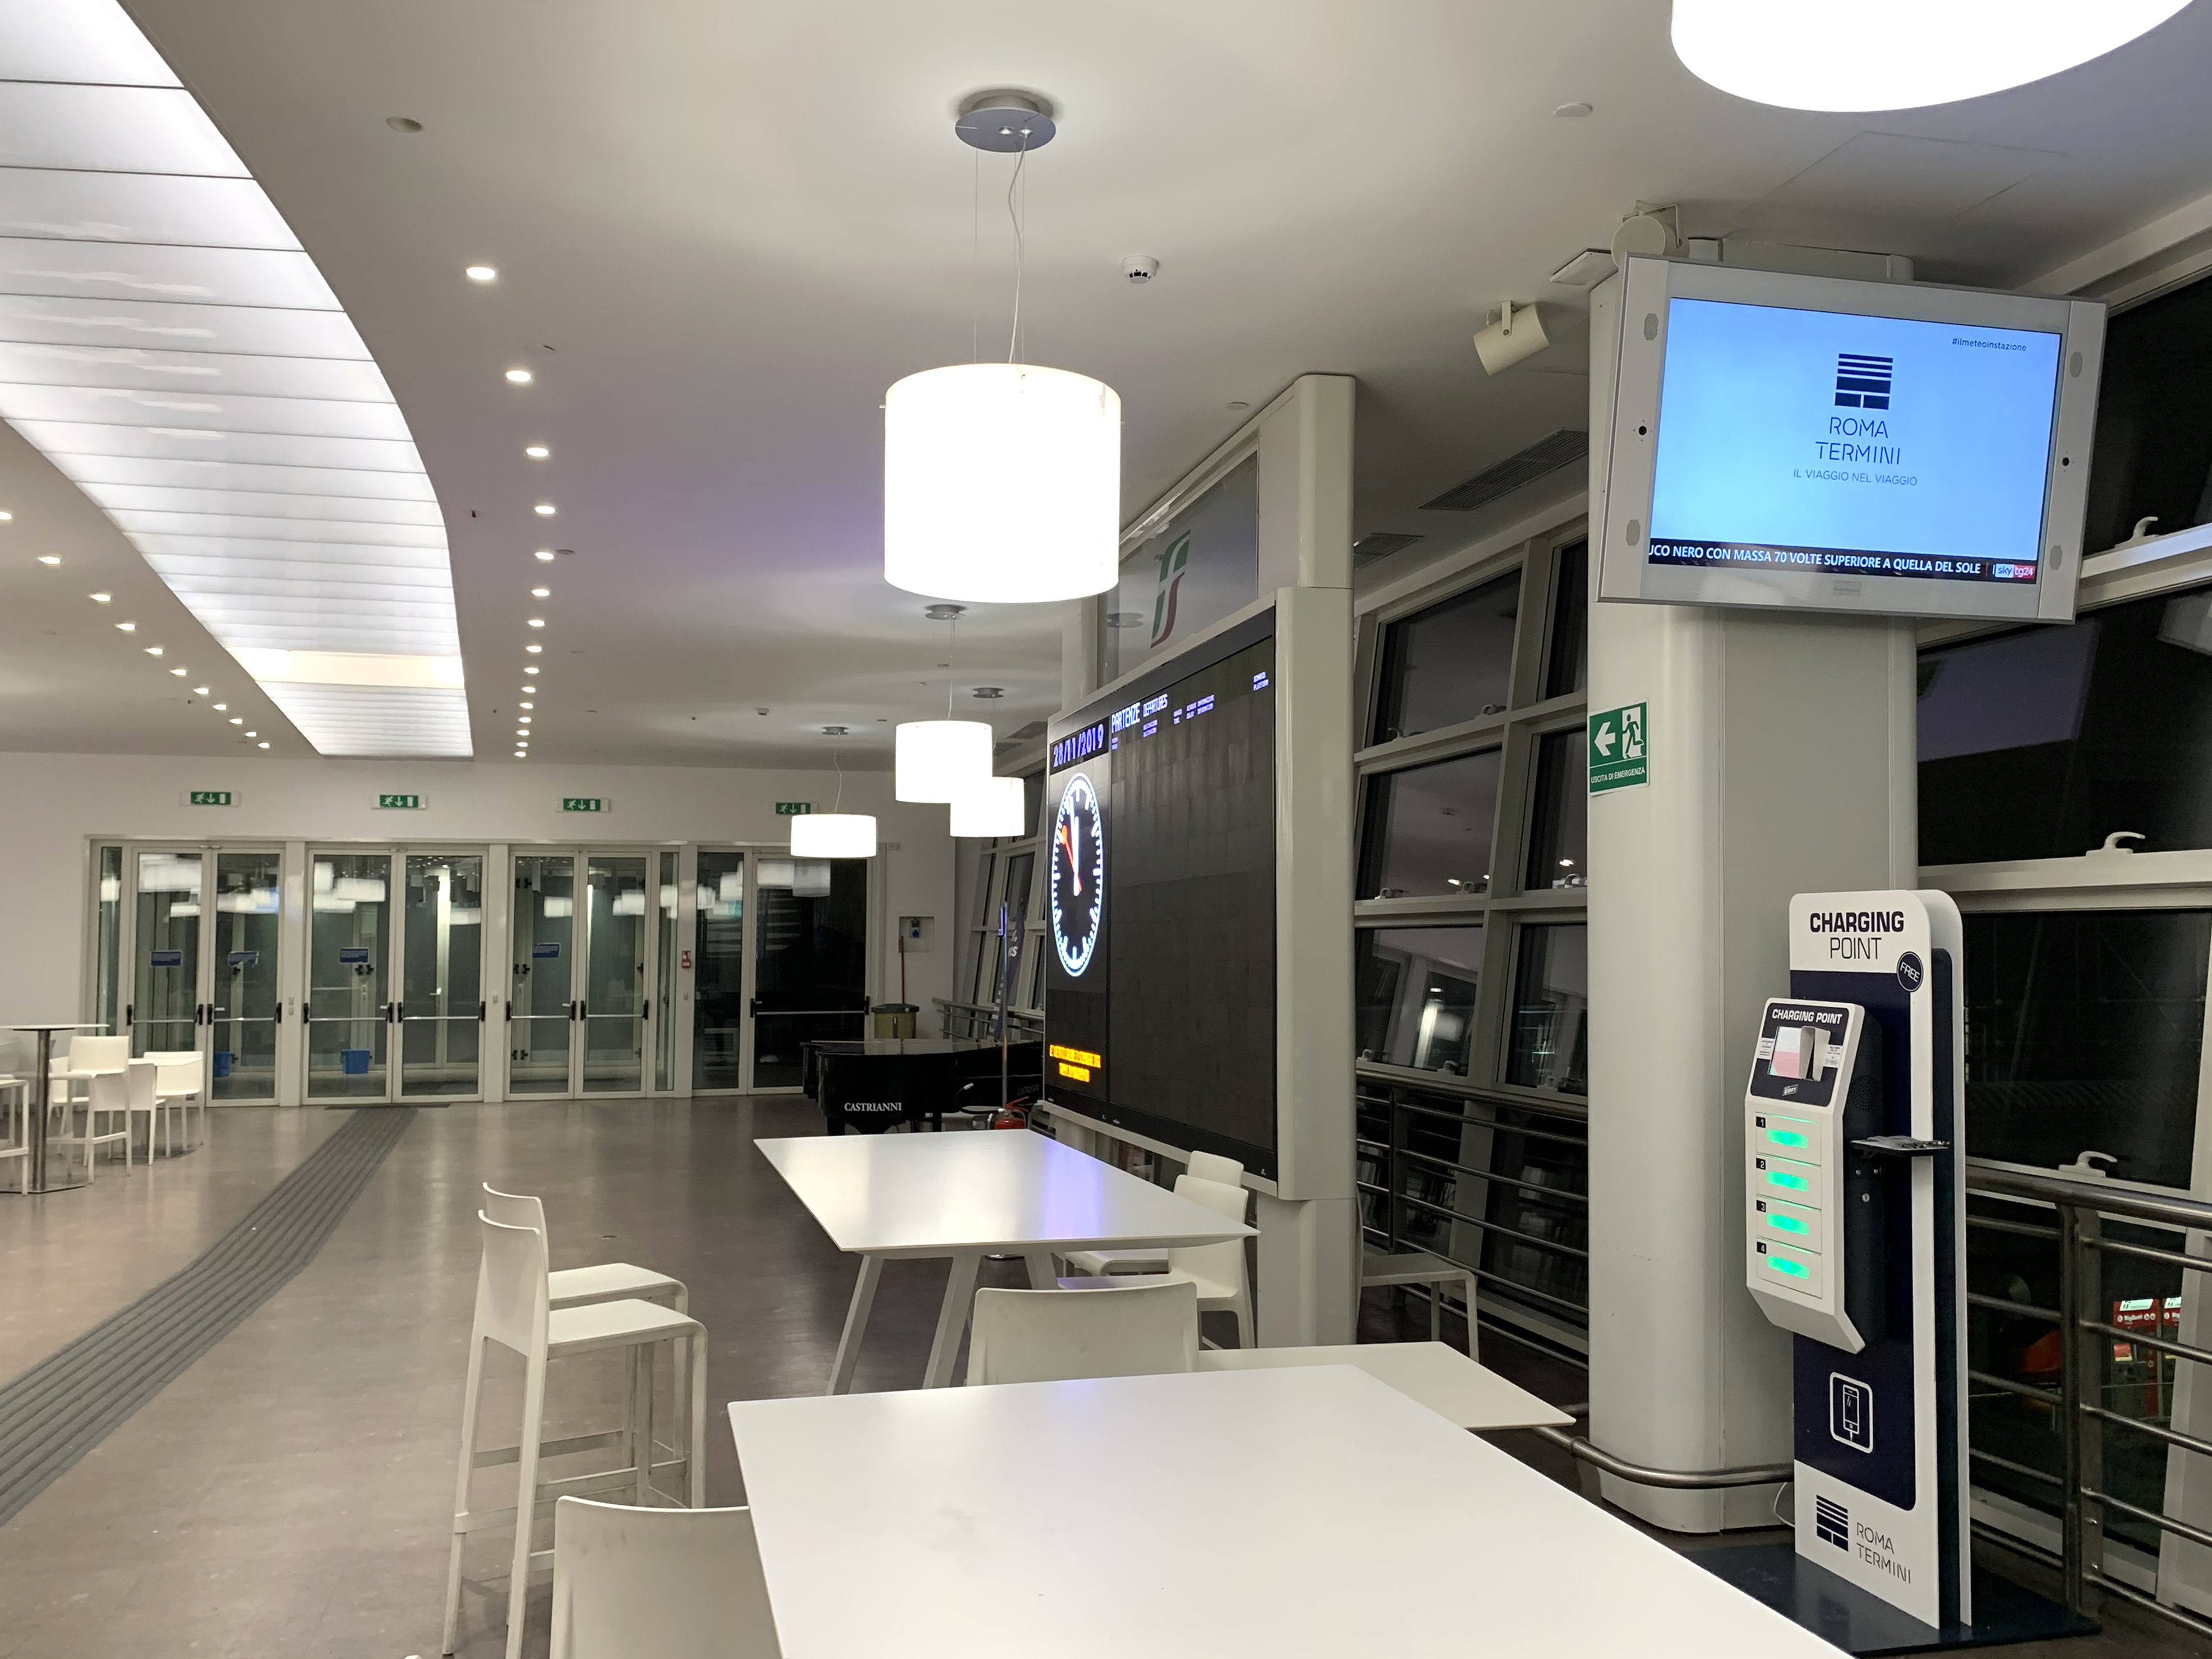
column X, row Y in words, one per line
column 69, row 1402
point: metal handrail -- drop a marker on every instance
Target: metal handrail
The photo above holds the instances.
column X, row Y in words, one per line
column 1751, row 1475
column 2085, row 1332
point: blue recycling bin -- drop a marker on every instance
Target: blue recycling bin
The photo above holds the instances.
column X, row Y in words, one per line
column 354, row 1062
column 224, row 1059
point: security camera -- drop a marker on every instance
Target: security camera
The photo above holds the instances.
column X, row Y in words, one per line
column 1140, row 268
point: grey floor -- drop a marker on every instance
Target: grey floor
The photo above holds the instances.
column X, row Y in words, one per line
column 290, row 1495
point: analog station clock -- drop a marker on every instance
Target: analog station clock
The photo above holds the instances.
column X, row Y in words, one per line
column 1078, row 891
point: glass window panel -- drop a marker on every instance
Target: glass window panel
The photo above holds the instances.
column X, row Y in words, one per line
column 2084, row 1032
column 349, row 941
column 543, row 930
column 1547, row 1041
column 664, row 1032
column 1559, row 830
column 1568, row 668
column 811, row 961
column 2041, row 744
column 1416, row 990
column 1032, row 799
column 242, row 1015
column 1428, row 830
column 165, row 999
column 718, row 986
column 1449, row 663
column 2153, row 454
column 107, row 970
column 614, row 978
column 441, row 986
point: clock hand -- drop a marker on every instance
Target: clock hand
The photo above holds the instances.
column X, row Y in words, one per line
column 1073, row 869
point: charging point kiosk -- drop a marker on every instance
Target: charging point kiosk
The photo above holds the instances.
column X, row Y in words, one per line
column 1855, row 1240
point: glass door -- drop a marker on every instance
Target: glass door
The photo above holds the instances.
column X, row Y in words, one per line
column 718, row 986
column 810, row 960
column 663, row 988
column 166, row 1000
column 243, row 1005
column 613, row 1009
column 349, row 1010
column 441, row 973
column 541, row 994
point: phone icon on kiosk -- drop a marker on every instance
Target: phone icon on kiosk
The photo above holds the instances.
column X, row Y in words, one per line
column 1850, row 1412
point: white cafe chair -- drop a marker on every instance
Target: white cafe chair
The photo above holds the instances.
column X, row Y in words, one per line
column 1216, row 1271
column 672, row 1583
column 1128, row 1327
column 1419, row 1268
column 142, row 1098
column 1207, row 1166
column 513, row 1309
column 89, row 1057
column 578, row 1287
column 15, row 1127
column 107, row 1099
column 184, row 1082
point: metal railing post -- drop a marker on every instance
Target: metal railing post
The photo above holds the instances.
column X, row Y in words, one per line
column 2082, row 1386
column 1396, row 1179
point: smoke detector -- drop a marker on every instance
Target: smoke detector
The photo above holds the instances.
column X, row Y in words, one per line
column 1140, row 268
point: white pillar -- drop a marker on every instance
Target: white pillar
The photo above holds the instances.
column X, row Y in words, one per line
column 1781, row 761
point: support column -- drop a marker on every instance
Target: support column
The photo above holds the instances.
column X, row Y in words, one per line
column 1782, row 752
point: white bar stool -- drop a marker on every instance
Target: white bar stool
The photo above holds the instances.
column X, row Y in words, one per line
column 15, row 1126
column 513, row 1309
column 579, row 1288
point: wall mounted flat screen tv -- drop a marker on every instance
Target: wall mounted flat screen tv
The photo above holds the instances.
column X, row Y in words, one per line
column 1810, row 442
column 1160, row 999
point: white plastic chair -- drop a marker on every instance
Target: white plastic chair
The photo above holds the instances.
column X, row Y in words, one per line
column 1132, row 1329
column 672, row 1583
column 1207, row 1166
column 579, row 1288
column 15, row 1126
column 512, row 1310
column 184, row 1084
column 1216, row 1270
column 107, row 1096
column 89, row 1057
column 1419, row 1268
column 142, row 1098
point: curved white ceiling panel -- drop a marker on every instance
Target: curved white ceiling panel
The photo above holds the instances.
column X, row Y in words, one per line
column 167, row 345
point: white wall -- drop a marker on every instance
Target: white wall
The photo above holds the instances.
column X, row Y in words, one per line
column 56, row 804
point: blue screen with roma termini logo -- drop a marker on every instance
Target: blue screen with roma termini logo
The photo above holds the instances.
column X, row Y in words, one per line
column 1824, row 442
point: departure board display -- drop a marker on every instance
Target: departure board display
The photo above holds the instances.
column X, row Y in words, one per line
column 1160, row 902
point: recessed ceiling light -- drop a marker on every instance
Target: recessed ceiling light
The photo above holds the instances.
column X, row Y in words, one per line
column 199, row 690
column 6, row 517
column 541, row 593
column 261, row 745
column 536, row 452
column 523, row 720
column 481, row 273
column 101, row 598
column 534, row 649
column 533, row 671
column 55, row 558
column 538, row 622
column 179, row 672
column 543, row 510
column 520, row 376
column 252, row 734
column 238, row 720
column 546, row 553
column 128, row 627
column 221, row 707
column 529, row 705
column 153, row 650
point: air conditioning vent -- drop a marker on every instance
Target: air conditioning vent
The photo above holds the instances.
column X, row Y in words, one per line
column 1544, row 457
column 1381, row 544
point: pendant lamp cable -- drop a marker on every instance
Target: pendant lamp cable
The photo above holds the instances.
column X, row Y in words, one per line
column 975, row 260
column 838, row 756
column 1020, row 221
column 952, row 641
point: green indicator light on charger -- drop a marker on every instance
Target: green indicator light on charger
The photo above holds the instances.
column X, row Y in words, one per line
column 1794, row 1269
column 1786, row 1224
column 1788, row 1138
column 1794, row 1183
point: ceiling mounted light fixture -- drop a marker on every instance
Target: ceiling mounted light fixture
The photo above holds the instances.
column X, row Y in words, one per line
column 936, row 762
column 1897, row 54
column 836, row 833
column 519, row 376
column 1002, row 482
column 49, row 558
column 992, row 807
column 480, row 273
column 536, row 452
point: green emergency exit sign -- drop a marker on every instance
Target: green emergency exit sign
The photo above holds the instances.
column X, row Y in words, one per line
column 400, row 803
column 210, row 797
column 583, row 803
column 1620, row 749
column 793, row 809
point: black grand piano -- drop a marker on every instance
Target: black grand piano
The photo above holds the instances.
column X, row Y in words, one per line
column 871, row 1083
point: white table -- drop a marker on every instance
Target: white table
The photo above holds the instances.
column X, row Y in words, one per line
column 997, row 1191
column 1304, row 1512
column 37, row 1178
column 1439, row 1376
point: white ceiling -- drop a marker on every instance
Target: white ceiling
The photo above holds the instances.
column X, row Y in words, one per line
column 724, row 227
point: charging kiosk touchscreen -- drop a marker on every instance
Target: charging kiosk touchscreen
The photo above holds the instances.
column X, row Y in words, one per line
column 1855, row 1217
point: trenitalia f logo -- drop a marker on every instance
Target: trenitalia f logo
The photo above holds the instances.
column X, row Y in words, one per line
column 1174, row 563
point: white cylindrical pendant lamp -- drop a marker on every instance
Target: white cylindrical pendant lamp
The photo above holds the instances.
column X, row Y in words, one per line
column 833, row 836
column 992, row 807
column 1897, row 54
column 939, row 759
column 1002, row 484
